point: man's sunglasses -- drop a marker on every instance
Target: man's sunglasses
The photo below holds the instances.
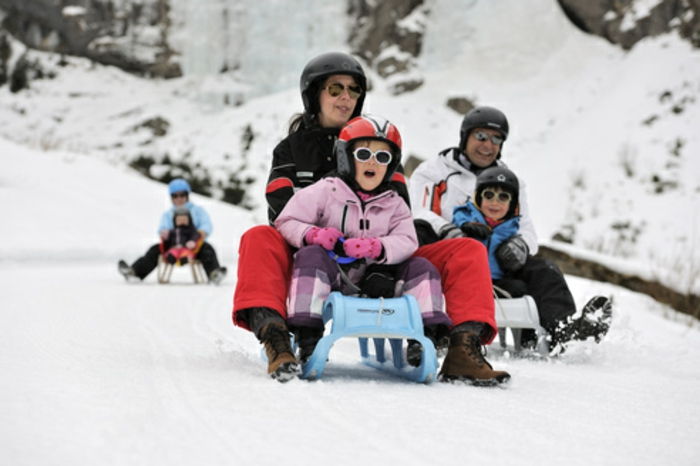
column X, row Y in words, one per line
column 179, row 194
column 501, row 196
column 336, row 89
column 363, row 154
column 481, row 137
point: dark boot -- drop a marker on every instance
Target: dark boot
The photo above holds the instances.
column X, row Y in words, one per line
column 306, row 338
column 126, row 270
column 594, row 322
column 272, row 332
column 465, row 361
column 438, row 334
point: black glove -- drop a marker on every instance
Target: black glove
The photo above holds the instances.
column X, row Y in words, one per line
column 476, row 230
column 450, row 231
column 512, row 254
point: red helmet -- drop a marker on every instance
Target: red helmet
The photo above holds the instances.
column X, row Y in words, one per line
column 367, row 127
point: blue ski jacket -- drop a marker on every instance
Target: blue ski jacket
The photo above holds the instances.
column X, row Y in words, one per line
column 468, row 213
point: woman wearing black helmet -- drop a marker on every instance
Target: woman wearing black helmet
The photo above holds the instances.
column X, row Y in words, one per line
column 333, row 87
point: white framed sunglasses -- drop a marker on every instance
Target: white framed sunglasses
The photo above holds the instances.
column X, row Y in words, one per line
column 363, row 154
column 482, row 136
column 501, row 196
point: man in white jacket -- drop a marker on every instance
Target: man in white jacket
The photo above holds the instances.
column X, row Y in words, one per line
column 442, row 183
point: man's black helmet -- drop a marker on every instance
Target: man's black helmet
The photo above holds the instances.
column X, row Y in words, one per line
column 326, row 65
column 483, row 117
column 502, row 177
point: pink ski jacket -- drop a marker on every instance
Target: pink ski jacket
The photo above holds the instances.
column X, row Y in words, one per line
column 330, row 202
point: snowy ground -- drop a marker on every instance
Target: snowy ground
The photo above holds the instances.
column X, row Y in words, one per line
column 98, row 371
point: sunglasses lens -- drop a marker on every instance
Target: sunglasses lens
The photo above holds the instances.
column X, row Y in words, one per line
column 383, row 157
column 488, row 195
column 504, row 197
column 362, row 154
column 335, row 89
column 354, row 91
column 497, row 140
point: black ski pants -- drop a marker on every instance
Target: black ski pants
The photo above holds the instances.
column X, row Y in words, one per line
column 149, row 261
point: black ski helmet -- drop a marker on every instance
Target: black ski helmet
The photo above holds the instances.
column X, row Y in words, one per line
column 326, row 65
column 483, row 117
column 367, row 127
column 505, row 179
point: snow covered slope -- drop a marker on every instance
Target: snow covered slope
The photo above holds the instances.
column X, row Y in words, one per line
column 98, row 371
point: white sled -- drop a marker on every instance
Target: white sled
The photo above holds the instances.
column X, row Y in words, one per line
column 516, row 314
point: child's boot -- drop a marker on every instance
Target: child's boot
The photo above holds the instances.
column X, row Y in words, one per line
column 593, row 321
column 438, row 334
column 465, row 359
column 307, row 338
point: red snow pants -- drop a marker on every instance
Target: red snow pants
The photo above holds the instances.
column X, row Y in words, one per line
column 264, row 272
column 466, row 280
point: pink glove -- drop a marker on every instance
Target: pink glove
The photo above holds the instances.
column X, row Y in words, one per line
column 360, row 248
column 324, row 237
column 190, row 244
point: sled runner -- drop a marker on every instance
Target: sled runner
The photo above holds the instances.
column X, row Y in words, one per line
column 179, row 256
column 517, row 314
column 392, row 319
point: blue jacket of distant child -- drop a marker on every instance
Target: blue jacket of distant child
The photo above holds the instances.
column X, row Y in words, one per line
column 200, row 219
column 470, row 213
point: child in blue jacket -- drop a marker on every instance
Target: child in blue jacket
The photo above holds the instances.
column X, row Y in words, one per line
column 493, row 218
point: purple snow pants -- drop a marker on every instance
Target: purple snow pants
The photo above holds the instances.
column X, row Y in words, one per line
column 315, row 275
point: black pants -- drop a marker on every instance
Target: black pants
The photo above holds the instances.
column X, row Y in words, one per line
column 543, row 281
column 149, row 261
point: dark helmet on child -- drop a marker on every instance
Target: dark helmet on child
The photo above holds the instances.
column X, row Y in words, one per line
column 503, row 178
column 179, row 185
column 367, row 127
column 322, row 66
column 483, row 117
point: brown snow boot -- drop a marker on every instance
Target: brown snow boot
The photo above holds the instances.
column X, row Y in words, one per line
column 465, row 362
column 281, row 363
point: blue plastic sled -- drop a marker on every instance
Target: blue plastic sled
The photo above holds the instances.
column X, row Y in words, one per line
column 380, row 319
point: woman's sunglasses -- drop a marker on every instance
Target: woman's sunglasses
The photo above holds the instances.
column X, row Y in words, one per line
column 383, row 157
column 481, row 137
column 179, row 194
column 336, row 89
column 501, row 196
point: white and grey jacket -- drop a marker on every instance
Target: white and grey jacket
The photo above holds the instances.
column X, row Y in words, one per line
column 444, row 182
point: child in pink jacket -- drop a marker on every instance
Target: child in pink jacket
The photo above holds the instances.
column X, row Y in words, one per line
column 356, row 214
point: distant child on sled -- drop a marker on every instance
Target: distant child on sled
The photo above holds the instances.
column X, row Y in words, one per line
column 183, row 241
column 355, row 213
column 172, row 235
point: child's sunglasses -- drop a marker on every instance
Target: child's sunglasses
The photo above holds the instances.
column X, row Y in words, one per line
column 363, row 154
column 481, row 137
column 502, row 196
column 336, row 89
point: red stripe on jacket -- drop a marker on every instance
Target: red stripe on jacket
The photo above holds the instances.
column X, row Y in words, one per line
column 278, row 183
